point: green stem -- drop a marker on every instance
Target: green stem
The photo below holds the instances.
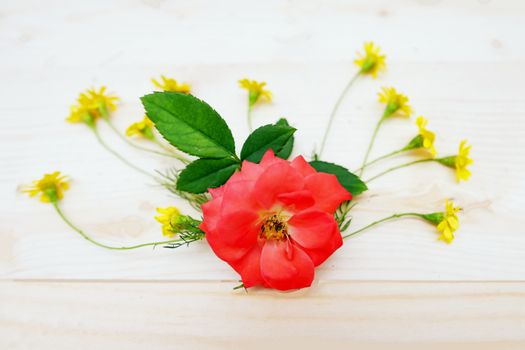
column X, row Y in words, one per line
column 134, row 145
column 334, row 111
column 399, row 167
column 249, row 117
column 121, row 158
column 388, row 155
column 86, row 237
column 391, row 217
column 370, row 145
column 239, row 286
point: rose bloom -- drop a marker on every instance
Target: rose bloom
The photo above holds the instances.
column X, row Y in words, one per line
column 273, row 222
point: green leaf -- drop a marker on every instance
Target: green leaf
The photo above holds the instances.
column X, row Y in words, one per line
column 288, row 146
column 190, row 124
column 349, row 181
column 206, row 173
column 264, row 138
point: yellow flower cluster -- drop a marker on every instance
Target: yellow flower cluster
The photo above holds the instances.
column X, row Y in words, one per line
column 396, row 102
column 256, row 91
column 449, row 223
column 170, row 84
column 50, row 187
column 91, row 105
column 169, row 218
column 372, row 61
column 144, row 128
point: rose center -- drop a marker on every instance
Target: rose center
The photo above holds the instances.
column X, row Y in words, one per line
column 274, row 228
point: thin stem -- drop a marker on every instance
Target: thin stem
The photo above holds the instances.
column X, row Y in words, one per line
column 391, row 217
column 86, row 237
column 370, row 145
column 134, row 145
column 249, row 117
column 334, row 111
column 399, row 167
column 385, row 156
column 121, row 158
column 172, row 153
column 239, row 286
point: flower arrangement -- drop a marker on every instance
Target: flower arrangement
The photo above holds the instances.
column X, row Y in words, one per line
column 273, row 220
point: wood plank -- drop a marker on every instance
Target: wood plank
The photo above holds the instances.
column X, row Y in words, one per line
column 203, row 315
column 458, row 61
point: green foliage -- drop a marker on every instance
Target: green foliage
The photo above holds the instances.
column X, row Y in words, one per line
column 287, row 149
column 190, row 124
column 206, row 173
column 349, row 181
column 277, row 137
column 194, row 127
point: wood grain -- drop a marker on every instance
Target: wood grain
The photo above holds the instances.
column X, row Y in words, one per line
column 209, row 315
column 460, row 62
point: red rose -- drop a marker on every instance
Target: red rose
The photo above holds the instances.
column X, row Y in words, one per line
column 273, row 222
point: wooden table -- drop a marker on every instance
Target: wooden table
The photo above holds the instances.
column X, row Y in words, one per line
column 460, row 62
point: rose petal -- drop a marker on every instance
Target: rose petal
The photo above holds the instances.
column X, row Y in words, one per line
column 249, row 267
column 285, row 266
column 251, row 171
column 278, row 178
column 317, row 233
column 236, row 177
column 211, row 214
column 235, row 235
column 216, row 192
column 311, row 229
column 319, row 255
column 268, row 158
column 298, row 200
column 327, row 191
column 302, row 166
column 239, row 195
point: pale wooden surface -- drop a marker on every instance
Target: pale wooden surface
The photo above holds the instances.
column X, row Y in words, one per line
column 461, row 63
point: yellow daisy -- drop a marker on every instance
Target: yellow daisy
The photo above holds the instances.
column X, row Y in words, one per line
column 449, row 222
column 92, row 104
column 97, row 100
column 462, row 160
column 50, row 187
column 169, row 84
column 143, row 128
column 396, row 103
column 256, row 91
column 372, row 61
column 459, row 162
column 79, row 114
column 426, row 135
column 169, row 219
